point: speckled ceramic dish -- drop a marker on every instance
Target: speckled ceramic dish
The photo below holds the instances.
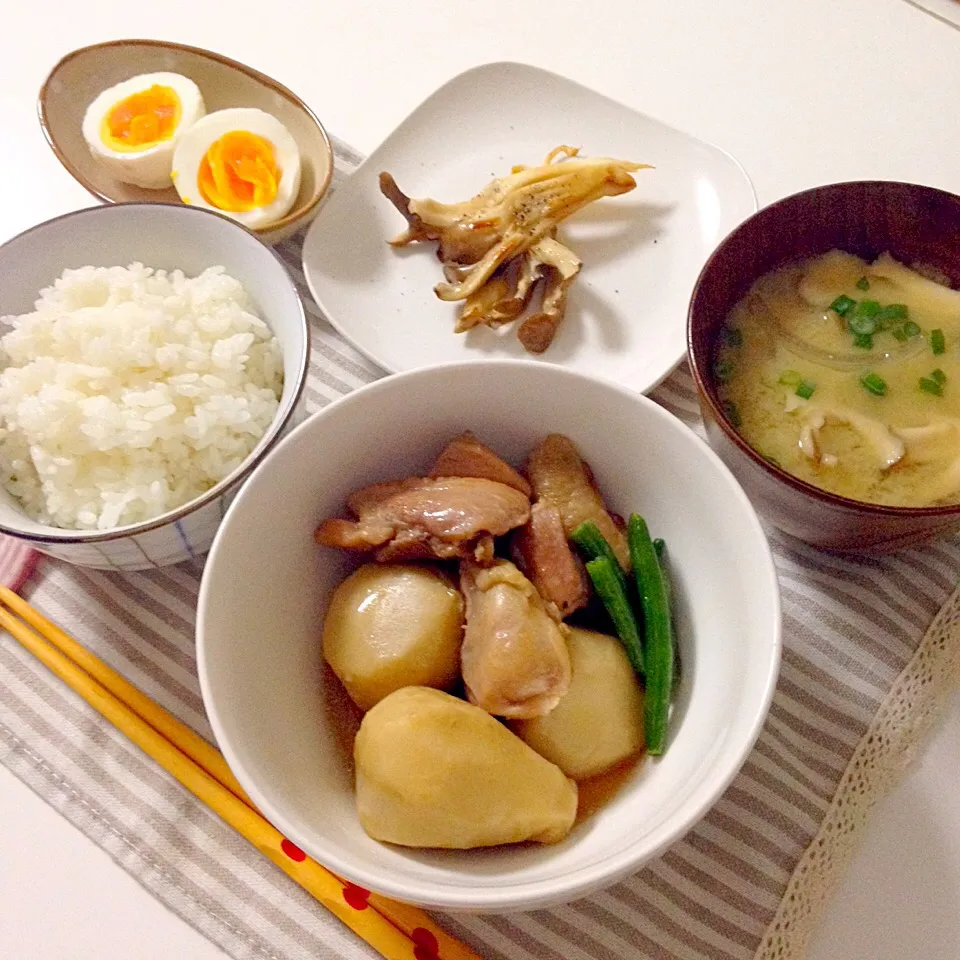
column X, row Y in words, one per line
column 77, row 79
column 641, row 251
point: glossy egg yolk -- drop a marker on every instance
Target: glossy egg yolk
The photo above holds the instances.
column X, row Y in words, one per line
column 141, row 120
column 239, row 172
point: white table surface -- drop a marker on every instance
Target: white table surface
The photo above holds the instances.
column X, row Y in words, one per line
column 801, row 91
column 946, row 10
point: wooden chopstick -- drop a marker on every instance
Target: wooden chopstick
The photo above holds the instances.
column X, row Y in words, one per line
column 190, row 742
column 411, row 920
column 395, row 930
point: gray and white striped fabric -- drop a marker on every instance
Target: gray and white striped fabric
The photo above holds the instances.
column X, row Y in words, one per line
column 850, row 627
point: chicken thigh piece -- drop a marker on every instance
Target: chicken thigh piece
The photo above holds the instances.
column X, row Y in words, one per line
column 466, row 456
column 541, row 551
column 514, row 659
column 446, row 517
column 560, row 477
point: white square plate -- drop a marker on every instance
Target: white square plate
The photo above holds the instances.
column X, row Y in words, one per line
column 641, row 252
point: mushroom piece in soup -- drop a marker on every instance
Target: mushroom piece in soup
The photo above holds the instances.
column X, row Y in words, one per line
column 846, row 374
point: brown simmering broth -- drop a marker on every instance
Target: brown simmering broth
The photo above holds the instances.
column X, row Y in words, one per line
column 598, row 791
column 847, row 375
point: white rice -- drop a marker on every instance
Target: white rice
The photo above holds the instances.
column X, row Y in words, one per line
column 131, row 391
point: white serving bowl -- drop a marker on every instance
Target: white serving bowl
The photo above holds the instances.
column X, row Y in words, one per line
column 265, row 587
column 166, row 236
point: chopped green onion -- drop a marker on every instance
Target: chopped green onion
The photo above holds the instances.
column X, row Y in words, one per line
column 876, row 385
column 864, row 341
column 894, row 311
column 862, row 319
column 900, row 334
column 805, row 389
column 890, row 313
column 861, row 326
column 928, row 385
column 867, row 308
column 790, row 378
column 863, row 284
column 912, row 329
column 841, row 305
column 733, row 414
column 723, row 370
column 732, row 337
column 939, row 376
column 938, row 343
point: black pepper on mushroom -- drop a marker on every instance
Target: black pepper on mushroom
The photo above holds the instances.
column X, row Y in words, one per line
column 500, row 246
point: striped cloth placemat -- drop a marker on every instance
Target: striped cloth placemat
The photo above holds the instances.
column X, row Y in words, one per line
column 849, row 627
column 17, row 561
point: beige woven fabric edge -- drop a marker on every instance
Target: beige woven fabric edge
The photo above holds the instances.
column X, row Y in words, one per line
column 946, row 11
column 911, row 709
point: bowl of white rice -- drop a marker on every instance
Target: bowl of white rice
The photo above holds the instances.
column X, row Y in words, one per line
column 150, row 356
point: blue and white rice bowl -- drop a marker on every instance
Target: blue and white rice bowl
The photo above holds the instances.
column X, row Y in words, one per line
column 166, row 237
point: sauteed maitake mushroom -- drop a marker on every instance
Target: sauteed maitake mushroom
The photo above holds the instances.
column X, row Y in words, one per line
column 497, row 247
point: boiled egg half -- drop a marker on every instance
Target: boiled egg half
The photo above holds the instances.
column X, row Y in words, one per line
column 242, row 162
column 133, row 127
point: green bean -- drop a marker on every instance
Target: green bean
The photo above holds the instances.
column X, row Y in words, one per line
column 658, row 633
column 660, row 545
column 603, row 575
column 594, row 544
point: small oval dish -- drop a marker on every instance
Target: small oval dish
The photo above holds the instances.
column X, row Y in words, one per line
column 81, row 75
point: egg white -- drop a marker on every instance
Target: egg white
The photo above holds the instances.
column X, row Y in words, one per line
column 195, row 142
column 149, row 167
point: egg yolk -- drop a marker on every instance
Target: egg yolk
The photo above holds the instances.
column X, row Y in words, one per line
column 142, row 120
column 239, row 172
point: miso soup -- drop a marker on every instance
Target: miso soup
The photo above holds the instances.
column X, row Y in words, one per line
column 847, row 375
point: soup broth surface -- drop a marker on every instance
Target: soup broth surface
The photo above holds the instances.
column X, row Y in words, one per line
column 847, row 375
